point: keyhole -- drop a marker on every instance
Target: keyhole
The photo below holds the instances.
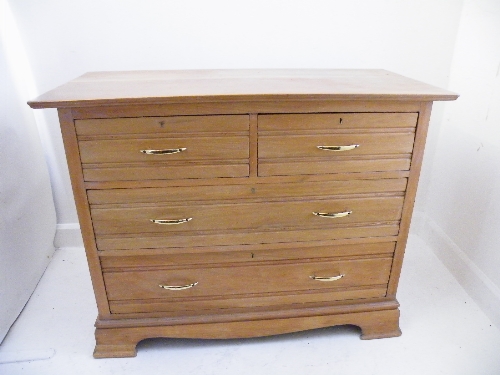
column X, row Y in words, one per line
column 162, row 124
column 341, row 120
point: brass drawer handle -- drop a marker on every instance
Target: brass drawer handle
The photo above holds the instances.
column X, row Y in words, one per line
column 338, row 148
column 171, row 222
column 168, row 151
column 327, row 278
column 333, row 215
column 178, row 287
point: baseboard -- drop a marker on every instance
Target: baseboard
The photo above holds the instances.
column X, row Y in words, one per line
column 15, row 303
column 68, row 235
column 481, row 289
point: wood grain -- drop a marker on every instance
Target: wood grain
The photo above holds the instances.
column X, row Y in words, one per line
column 83, row 209
column 253, row 180
column 247, row 216
column 336, row 121
column 242, row 254
column 153, row 87
column 269, row 191
column 310, row 166
column 285, row 105
column 162, row 125
column 121, row 342
column 242, row 279
column 197, row 148
column 157, row 171
column 178, row 240
column 288, row 250
column 250, row 179
column 411, row 193
column 296, row 146
column 192, row 306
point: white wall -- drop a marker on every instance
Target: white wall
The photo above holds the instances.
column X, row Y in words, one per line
column 454, row 44
column 459, row 193
column 463, row 206
column 65, row 39
column 27, row 214
column 431, row 40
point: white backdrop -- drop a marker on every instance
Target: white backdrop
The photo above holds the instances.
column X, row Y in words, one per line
column 462, row 208
column 65, row 39
column 436, row 41
column 27, row 214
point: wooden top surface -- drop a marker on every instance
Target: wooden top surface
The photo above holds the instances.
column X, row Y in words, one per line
column 158, row 87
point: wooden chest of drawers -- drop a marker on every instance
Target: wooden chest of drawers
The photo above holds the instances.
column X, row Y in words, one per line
column 231, row 204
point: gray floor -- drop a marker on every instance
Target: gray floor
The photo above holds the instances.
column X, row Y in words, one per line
column 444, row 332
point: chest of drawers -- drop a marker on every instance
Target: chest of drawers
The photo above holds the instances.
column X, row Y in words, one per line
column 233, row 204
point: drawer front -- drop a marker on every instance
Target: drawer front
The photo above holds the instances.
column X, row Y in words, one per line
column 249, row 254
column 258, row 216
column 242, row 279
column 159, row 171
column 341, row 144
column 255, row 237
column 164, row 149
column 186, row 306
column 329, row 121
column 250, row 191
column 173, row 124
column 319, row 146
column 359, row 165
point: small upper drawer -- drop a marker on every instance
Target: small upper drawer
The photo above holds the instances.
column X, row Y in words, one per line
column 330, row 121
column 327, row 145
column 164, row 149
column 173, row 124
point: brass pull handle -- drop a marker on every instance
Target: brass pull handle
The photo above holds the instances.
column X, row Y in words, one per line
column 338, row 148
column 327, row 278
column 171, row 222
column 178, row 287
column 168, row 151
column 333, row 215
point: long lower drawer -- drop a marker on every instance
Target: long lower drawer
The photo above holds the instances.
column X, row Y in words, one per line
column 200, row 287
column 269, row 215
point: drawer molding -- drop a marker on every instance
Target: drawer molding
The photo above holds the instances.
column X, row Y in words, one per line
column 248, row 191
column 237, row 303
column 183, row 240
